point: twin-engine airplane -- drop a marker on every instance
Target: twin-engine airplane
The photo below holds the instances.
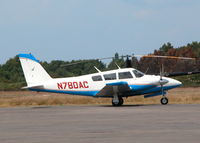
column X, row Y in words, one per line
column 115, row 84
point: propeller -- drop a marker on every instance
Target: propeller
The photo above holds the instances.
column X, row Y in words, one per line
column 162, row 81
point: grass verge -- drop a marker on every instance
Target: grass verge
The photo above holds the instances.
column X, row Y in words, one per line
column 28, row 98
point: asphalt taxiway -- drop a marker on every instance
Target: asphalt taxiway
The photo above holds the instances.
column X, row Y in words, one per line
column 99, row 123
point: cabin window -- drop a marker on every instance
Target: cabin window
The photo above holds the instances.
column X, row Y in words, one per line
column 111, row 76
column 97, row 78
column 138, row 73
column 125, row 75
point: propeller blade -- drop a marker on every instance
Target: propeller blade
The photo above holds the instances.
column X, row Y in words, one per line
column 161, row 71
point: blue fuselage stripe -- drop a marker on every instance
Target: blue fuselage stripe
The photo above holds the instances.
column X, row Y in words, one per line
column 85, row 93
column 141, row 87
column 136, row 89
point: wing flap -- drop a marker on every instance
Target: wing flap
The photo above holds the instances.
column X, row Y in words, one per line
column 108, row 89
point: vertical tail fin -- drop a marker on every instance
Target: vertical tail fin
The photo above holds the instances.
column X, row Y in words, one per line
column 34, row 73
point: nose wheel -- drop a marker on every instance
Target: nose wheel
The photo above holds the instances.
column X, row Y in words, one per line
column 164, row 100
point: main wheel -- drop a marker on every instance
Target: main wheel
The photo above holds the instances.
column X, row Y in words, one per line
column 115, row 103
column 119, row 103
column 164, row 101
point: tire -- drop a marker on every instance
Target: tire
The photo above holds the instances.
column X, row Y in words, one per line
column 164, row 101
column 121, row 102
column 115, row 104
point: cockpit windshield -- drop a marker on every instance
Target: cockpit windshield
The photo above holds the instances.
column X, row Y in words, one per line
column 138, row 73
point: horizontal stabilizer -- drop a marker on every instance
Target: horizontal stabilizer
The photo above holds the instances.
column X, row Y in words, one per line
column 33, row 86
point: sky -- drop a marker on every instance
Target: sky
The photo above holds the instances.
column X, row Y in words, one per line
column 87, row 29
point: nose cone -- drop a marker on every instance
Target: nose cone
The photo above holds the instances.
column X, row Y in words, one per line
column 175, row 83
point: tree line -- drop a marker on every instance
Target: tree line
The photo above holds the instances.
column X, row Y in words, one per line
column 12, row 78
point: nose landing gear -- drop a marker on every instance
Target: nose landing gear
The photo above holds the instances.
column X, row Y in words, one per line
column 164, row 100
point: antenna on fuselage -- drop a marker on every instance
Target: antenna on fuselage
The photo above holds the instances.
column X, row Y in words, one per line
column 117, row 66
column 97, row 69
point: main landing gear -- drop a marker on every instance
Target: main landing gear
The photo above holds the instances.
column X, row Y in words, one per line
column 117, row 101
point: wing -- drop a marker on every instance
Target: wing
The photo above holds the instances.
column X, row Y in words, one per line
column 110, row 88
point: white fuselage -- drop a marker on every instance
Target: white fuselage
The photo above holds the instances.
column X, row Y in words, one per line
column 88, row 86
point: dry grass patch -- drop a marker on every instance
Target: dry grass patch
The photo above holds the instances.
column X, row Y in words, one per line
column 28, row 98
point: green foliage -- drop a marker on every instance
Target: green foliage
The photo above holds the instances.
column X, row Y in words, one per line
column 165, row 48
column 12, row 78
column 11, row 75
